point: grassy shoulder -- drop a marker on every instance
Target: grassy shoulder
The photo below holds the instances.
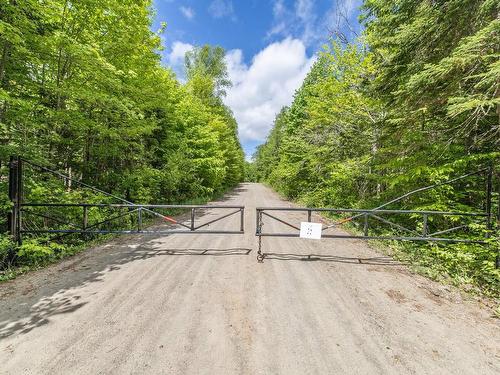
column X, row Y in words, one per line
column 34, row 254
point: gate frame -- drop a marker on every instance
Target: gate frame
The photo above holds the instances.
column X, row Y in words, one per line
column 15, row 221
column 366, row 213
column 140, row 208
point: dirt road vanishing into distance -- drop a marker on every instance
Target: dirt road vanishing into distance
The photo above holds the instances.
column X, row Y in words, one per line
column 201, row 304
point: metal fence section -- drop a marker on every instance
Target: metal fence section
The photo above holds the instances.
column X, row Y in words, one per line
column 471, row 227
column 139, row 210
column 411, row 234
column 48, row 218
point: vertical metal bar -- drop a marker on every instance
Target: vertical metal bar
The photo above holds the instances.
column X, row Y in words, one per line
column 497, row 228
column 257, row 221
column 498, row 203
column 12, row 218
column 260, row 256
column 19, row 198
column 489, row 188
column 139, row 219
column 85, row 221
column 192, row 219
column 15, row 196
column 365, row 229
column 85, row 217
column 425, row 228
column 309, row 216
column 242, row 220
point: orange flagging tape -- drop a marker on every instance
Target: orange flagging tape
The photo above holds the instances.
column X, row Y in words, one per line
column 169, row 219
column 343, row 221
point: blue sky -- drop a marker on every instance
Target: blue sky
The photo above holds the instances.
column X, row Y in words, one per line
column 270, row 44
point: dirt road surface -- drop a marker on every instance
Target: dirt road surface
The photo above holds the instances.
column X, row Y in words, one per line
column 201, row 304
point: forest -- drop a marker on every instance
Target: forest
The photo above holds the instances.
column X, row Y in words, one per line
column 412, row 101
column 83, row 90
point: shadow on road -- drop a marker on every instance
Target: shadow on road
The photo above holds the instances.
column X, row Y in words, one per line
column 209, row 252
column 30, row 303
column 383, row 261
column 62, row 293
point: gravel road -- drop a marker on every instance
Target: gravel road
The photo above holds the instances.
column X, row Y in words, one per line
column 201, row 304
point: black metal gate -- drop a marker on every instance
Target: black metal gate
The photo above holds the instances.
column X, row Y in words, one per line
column 482, row 222
column 54, row 215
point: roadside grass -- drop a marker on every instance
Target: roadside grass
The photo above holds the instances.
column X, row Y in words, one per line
column 34, row 255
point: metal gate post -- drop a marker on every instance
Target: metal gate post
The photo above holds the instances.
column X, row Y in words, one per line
column 497, row 263
column 260, row 256
column 489, row 188
column 242, row 220
column 139, row 220
column 497, row 226
column 85, row 221
column 425, row 225
column 192, row 219
column 85, row 217
column 15, row 196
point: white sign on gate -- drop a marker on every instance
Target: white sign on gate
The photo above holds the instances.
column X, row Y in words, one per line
column 311, row 230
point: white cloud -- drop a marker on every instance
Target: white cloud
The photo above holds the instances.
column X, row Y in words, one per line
column 299, row 21
column 176, row 57
column 188, row 12
column 260, row 90
column 277, row 29
column 279, row 8
column 221, row 9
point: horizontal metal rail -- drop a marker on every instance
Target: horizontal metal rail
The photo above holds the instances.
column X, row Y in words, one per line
column 123, row 205
column 355, row 210
column 72, row 231
column 396, row 238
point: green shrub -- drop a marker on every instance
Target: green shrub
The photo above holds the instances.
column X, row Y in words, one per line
column 6, row 247
column 33, row 253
